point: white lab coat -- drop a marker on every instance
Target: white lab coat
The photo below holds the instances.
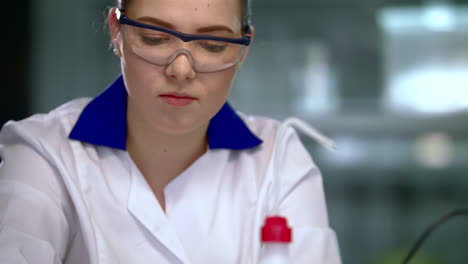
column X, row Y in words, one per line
column 68, row 201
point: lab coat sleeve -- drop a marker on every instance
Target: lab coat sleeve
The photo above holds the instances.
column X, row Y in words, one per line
column 33, row 205
column 303, row 203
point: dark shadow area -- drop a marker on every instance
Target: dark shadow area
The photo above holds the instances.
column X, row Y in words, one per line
column 15, row 61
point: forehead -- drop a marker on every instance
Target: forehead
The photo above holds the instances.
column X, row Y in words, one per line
column 189, row 14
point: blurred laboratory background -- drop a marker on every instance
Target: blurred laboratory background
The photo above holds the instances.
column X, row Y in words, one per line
column 387, row 80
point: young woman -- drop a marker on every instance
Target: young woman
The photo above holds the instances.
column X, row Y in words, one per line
column 158, row 168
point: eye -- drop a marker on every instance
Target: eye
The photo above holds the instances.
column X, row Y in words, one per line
column 154, row 40
column 215, row 47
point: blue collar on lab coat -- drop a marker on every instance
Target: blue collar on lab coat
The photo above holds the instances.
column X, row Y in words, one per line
column 104, row 122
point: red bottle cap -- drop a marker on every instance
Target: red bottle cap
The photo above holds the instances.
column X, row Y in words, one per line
column 276, row 230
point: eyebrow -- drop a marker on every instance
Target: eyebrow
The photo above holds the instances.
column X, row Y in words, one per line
column 168, row 25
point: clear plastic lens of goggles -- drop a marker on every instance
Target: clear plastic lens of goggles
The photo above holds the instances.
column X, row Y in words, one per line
column 204, row 55
column 199, row 63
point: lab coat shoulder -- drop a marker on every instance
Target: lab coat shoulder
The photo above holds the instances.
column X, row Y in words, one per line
column 295, row 161
column 302, row 198
column 36, row 213
column 33, row 149
column 267, row 128
column 42, row 138
column 44, row 132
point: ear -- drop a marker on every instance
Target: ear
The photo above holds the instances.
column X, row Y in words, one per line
column 244, row 56
column 114, row 27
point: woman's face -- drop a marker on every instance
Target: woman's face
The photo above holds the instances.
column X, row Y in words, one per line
column 176, row 99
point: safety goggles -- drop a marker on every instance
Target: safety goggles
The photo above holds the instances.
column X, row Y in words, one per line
column 161, row 46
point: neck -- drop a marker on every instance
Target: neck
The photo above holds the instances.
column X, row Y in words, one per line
column 157, row 142
column 161, row 156
column 160, row 145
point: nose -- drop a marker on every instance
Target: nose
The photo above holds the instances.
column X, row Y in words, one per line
column 180, row 69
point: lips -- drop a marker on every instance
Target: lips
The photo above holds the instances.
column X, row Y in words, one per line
column 177, row 99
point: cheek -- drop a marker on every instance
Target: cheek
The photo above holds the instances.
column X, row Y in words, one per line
column 217, row 88
column 133, row 65
column 221, row 82
column 139, row 73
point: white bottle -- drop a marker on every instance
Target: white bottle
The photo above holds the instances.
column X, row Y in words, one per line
column 276, row 237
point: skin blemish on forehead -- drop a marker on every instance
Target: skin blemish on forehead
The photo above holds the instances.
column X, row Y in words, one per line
column 195, row 9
